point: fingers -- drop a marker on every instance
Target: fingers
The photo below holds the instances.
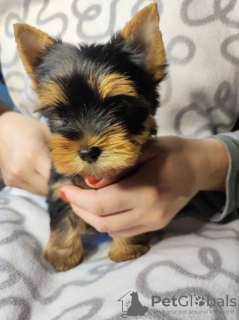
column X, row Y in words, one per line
column 34, row 172
column 25, row 186
column 120, row 225
column 32, row 189
column 40, row 182
column 108, row 200
column 113, row 222
column 124, row 195
column 96, row 184
column 106, row 181
column 43, row 164
column 37, row 186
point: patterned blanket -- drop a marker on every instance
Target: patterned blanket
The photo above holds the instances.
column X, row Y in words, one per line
column 191, row 271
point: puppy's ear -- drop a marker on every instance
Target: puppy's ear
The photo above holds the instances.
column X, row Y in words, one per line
column 143, row 29
column 31, row 43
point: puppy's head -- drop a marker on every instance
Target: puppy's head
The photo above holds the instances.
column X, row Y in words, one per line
column 99, row 100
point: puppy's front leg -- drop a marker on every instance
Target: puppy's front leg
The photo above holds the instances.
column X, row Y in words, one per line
column 123, row 249
column 64, row 250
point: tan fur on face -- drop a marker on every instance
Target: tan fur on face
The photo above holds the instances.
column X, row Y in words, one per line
column 119, row 151
column 106, row 85
column 110, row 85
column 141, row 139
column 51, row 94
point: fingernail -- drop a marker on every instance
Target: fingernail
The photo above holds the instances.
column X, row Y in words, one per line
column 92, row 180
column 62, row 193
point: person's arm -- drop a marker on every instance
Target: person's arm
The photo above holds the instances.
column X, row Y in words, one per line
column 215, row 205
column 24, row 155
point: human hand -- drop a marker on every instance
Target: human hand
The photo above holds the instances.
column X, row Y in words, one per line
column 24, row 156
column 170, row 172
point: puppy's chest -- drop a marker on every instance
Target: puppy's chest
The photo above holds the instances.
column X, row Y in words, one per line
column 57, row 181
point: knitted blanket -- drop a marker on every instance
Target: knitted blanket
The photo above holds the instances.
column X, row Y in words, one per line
column 190, row 272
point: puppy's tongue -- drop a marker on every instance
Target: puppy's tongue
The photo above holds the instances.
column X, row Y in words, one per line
column 92, row 180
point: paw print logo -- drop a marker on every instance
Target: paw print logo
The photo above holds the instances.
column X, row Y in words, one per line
column 200, row 301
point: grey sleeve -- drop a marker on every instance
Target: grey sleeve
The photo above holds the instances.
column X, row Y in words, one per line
column 217, row 205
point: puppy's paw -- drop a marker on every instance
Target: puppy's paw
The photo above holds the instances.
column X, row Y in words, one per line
column 62, row 257
column 63, row 262
column 129, row 252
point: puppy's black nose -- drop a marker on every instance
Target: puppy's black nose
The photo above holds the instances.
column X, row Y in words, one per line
column 90, row 154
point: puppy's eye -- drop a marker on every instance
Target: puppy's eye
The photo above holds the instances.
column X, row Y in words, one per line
column 65, row 120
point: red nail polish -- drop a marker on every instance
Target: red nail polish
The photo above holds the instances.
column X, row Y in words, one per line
column 62, row 193
column 92, row 180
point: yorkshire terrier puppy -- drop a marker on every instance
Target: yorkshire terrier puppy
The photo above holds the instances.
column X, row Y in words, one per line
column 99, row 101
